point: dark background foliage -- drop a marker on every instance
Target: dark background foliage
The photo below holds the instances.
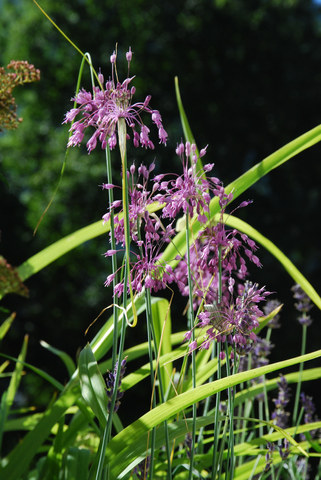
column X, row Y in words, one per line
column 250, row 79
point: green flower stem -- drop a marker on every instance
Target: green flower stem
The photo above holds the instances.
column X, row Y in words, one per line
column 152, row 343
column 149, row 320
column 231, row 397
column 107, row 431
column 122, row 148
column 219, row 374
column 191, row 327
column 114, row 257
column 298, row 387
column 216, row 416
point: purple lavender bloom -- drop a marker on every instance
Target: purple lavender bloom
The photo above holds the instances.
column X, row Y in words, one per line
column 303, row 305
column 280, row 415
column 110, row 383
column 268, row 308
column 284, row 450
column 141, row 470
column 269, row 456
column 188, row 444
column 309, row 413
column 102, row 110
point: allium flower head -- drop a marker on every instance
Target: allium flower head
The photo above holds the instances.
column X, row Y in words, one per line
column 102, row 110
column 233, row 321
column 188, row 192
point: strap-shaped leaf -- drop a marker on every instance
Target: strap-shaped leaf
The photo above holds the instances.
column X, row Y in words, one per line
column 92, row 384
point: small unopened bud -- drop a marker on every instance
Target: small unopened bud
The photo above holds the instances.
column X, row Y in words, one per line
column 129, row 55
column 113, row 58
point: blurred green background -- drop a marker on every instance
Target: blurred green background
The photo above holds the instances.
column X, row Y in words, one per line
column 250, row 80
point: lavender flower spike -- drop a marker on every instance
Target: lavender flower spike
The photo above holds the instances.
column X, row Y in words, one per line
column 103, row 110
column 110, row 383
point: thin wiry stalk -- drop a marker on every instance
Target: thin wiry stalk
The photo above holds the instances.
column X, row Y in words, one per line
column 114, row 257
column 190, row 326
column 107, row 431
column 149, row 321
column 151, row 343
column 298, row 387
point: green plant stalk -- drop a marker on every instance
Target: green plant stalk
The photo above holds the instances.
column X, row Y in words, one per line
column 107, row 430
column 298, row 387
column 114, row 257
column 230, row 447
column 191, row 327
column 149, row 321
column 219, row 376
column 161, row 388
column 206, row 409
column 216, row 416
column 122, row 147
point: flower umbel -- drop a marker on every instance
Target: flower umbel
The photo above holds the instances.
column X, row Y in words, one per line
column 102, row 110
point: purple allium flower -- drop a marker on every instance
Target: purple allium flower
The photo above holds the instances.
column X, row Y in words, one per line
column 233, row 321
column 215, row 243
column 148, row 236
column 303, row 305
column 103, row 109
column 280, row 415
column 110, row 383
column 268, row 308
column 139, row 217
column 188, row 192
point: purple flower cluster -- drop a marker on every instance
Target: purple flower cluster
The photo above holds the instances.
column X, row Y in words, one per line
column 218, row 254
column 234, row 320
column 268, row 308
column 102, row 110
column 110, row 383
column 309, row 413
column 303, row 305
column 280, row 415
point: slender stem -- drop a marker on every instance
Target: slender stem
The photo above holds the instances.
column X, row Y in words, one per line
column 191, row 325
column 122, row 148
column 298, row 387
column 152, row 343
column 107, row 431
column 216, row 416
column 114, row 257
column 150, row 353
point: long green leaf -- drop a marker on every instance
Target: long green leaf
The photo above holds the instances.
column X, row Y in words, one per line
column 9, row 396
column 19, row 459
column 162, row 325
column 92, row 385
column 131, row 442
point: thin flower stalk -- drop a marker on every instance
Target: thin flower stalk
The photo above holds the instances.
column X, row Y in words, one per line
column 114, row 257
column 303, row 305
column 191, row 324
